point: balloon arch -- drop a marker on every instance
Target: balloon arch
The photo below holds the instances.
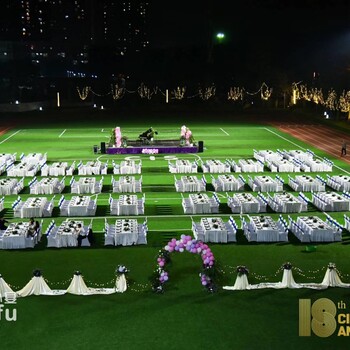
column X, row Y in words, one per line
column 193, row 246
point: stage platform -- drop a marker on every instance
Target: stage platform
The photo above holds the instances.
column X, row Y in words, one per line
column 156, row 147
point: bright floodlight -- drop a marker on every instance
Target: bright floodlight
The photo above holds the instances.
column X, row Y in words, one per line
column 220, row 35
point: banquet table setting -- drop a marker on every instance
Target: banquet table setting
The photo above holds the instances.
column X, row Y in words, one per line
column 317, row 230
column 215, row 166
column 56, row 169
column 23, row 169
column 318, row 165
column 127, row 167
column 125, row 232
column 90, row 168
column 183, row 166
column 227, row 182
column 189, row 184
column 339, row 182
column 330, row 201
column 251, row 166
column 85, row 185
column 15, row 236
column 127, row 184
column 7, row 159
column 264, row 229
column 212, row 229
column 66, row 234
column 200, row 203
column 282, row 165
column 243, row 203
column 306, row 183
column 33, row 207
column 8, row 186
column 285, row 203
column 297, row 154
column 267, row 155
column 127, row 205
column 265, row 183
column 47, row 185
column 78, row 206
column 34, row 158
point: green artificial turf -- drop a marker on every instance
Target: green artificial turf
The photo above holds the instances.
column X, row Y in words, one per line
column 186, row 316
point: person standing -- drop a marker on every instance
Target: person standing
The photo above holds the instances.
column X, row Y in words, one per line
column 343, row 149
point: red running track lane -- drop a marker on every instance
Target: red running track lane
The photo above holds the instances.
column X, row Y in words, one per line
column 319, row 136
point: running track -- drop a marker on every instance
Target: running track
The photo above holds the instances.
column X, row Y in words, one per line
column 319, row 136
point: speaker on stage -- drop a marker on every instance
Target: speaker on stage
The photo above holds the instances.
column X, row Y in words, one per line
column 103, row 147
column 200, row 146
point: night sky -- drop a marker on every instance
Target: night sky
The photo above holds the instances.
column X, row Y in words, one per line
column 310, row 35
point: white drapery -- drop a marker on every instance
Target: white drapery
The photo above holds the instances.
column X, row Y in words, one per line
column 38, row 286
column 331, row 279
column 4, row 288
column 120, row 284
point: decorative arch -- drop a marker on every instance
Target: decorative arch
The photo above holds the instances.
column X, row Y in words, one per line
column 185, row 243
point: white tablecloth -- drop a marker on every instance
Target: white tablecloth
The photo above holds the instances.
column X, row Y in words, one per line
column 339, row 182
column 67, row 235
column 128, row 205
column 34, row 158
column 266, row 184
column 191, row 184
column 126, row 232
column 58, row 169
column 287, row 203
column 15, row 235
column 200, row 203
column 216, row 166
column 250, row 166
column 23, row 169
column 183, row 166
column 90, row 168
column 228, row 183
column 308, row 183
column 265, row 229
column 318, row 230
column 7, row 186
column 33, row 207
column 86, row 185
column 243, row 203
column 47, row 186
column 78, row 206
column 214, row 230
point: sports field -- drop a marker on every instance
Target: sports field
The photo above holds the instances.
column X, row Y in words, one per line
column 186, row 316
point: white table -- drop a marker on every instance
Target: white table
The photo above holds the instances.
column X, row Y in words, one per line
column 267, row 155
column 90, row 168
column 316, row 228
column 183, row 166
column 78, row 206
column 307, row 183
column 215, row 166
column 282, row 165
column 339, row 182
column 335, row 201
column 200, row 203
column 34, row 158
column 127, row 184
column 286, row 203
column 130, row 167
column 264, row 229
column 128, row 205
column 67, row 235
column 227, row 183
column 214, row 230
column 243, row 203
column 57, row 169
column 7, row 186
column 33, row 207
column 318, row 165
column 192, row 184
column 47, row 186
column 15, row 235
column 23, row 169
column 298, row 154
column 250, row 166
column 126, row 232
column 86, row 185
column 266, row 184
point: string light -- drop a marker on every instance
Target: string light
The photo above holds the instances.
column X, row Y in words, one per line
column 117, row 92
column 179, row 93
column 235, row 94
column 207, row 93
column 83, row 94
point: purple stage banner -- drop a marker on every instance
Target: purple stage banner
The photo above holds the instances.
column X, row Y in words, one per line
column 151, row 150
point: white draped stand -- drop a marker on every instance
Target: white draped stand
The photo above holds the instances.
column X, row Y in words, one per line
column 120, row 284
column 4, row 288
column 331, row 279
column 38, row 286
